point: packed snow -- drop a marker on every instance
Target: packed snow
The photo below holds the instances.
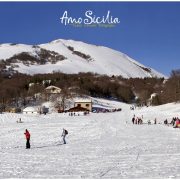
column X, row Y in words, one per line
column 99, row 145
column 103, row 60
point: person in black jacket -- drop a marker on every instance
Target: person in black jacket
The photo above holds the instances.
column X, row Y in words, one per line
column 64, row 133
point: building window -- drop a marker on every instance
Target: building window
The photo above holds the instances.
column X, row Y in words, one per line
column 87, row 105
column 78, row 105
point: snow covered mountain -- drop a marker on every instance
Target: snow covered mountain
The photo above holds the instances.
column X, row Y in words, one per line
column 69, row 56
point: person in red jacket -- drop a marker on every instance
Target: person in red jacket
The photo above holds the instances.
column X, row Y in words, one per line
column 27, row 134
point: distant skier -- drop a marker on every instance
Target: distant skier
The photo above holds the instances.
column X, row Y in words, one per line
column 133, row 119
column 155, row 121
column 19, row 121
column 140, row 121
column 27, row 134
column 64, row 133
column 166, row 122
column 177, row 123
column 136, row 120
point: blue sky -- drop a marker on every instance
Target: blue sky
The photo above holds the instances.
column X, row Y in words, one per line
column 149, row 32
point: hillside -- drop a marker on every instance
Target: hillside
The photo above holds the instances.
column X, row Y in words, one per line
column 69, row 56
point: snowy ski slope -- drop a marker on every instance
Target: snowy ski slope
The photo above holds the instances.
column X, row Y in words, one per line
column 102, row 145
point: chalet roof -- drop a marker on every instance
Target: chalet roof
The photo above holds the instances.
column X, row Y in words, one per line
column 77, row 109
column 52, row 87
column 30, row 109
column 83, row 101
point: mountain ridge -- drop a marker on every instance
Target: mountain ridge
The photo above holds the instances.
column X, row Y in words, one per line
column 69, row 56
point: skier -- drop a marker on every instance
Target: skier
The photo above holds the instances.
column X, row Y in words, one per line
column 19, row 121
column 174, row 120
column 136, row 120
column 27, row 134
column 133, row 119
column 155, row 121
column 64, row 133
column 139, row 121
column 166, row 122
column 177, row 123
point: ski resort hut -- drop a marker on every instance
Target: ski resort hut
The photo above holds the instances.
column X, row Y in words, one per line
column 84, row 103
column 31, row 110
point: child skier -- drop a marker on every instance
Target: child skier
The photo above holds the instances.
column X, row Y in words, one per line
column 27, row 134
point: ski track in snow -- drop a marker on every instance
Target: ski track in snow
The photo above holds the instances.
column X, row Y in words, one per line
column 103, row 145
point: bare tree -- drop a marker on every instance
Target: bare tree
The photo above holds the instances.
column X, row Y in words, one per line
column 63, row 100
column 175, row 73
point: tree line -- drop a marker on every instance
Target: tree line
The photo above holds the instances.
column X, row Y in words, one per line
column 15, row 90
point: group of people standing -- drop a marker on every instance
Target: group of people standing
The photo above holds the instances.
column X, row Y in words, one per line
column 137, row 120
column 175, row 122
column 28, row 135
